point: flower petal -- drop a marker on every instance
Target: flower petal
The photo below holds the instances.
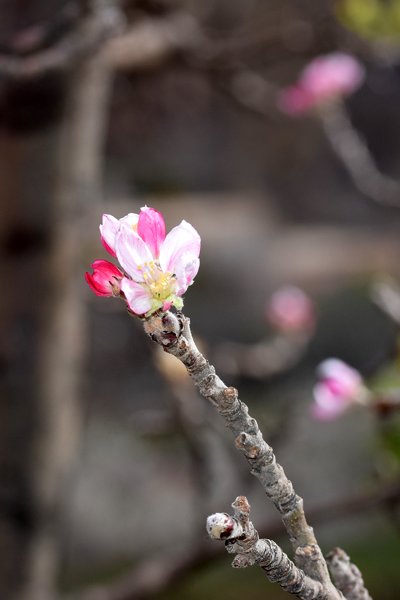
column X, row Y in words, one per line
column 181, row 240
column 131, row 219
column 326, row 413
column 151, row 228
column 347, row 379
column 110, row 228
column 106, row 267
column 98, row 289
column 294, row 100
column 332, row 74
column 138, row 297
column 105, row 278
column 132, row 252
column 186, row 271
column 290, row 309
column 108, row 231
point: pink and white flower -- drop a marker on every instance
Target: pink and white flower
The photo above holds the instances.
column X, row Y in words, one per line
column 105, row 280
column 324, row 79
column 339, row 387
column 290, row 310
column 158, row 267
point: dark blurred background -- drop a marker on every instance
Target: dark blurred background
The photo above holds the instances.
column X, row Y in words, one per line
column 109, row 462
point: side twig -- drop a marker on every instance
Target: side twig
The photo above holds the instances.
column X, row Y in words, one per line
column 264, row 359
column 241, row 539
column 347, row 576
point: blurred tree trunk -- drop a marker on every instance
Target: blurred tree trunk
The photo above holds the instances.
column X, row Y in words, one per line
column 50, row 133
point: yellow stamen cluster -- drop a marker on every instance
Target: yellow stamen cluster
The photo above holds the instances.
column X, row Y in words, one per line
column 159, row 283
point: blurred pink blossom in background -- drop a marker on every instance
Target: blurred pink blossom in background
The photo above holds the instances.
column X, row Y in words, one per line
column 338, row 387
column 324, row 79
column 290, row 310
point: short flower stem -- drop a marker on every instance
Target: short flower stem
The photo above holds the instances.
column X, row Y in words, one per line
column 172, row 332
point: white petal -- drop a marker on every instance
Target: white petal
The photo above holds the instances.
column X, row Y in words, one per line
column 131, row 219
column 109, row 229
column 138, row 297
column 186, row 271
column 132, row 252
column 180, row 240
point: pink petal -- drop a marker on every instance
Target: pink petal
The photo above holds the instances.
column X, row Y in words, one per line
column 324, row 78
column 108, row 231
column 185, row 272
column 138, row 297
column 327, row 405
column 181, row 240
column 151, row 228
column 132, row 253
column 99, row 284
column 98, row 289
column 331, row 75
column 346, row 378
column 290, row 309
column 108, row 268
column 326, row 398
column 320, row 413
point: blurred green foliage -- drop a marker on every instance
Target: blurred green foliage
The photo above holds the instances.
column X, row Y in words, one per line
column 371, row 18
column 387, row 381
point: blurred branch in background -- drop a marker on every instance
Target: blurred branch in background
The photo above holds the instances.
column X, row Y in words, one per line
column 76, row 199
column 52, row 401
column 262, row 360
column 356, row 157
column 291, row 315
column 385, row 293
column 75, row 34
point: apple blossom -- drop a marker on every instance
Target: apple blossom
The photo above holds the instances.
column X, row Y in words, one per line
column 105, row 280
column 338, row 387
column 324, row 79
column 158, row 267
column 290, row 310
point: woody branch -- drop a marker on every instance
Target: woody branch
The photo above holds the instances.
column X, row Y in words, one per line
column 172, row 332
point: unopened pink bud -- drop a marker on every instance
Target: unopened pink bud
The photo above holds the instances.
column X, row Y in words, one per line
column 105, row 279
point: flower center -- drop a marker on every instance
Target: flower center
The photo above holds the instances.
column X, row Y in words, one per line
column 161, row 284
